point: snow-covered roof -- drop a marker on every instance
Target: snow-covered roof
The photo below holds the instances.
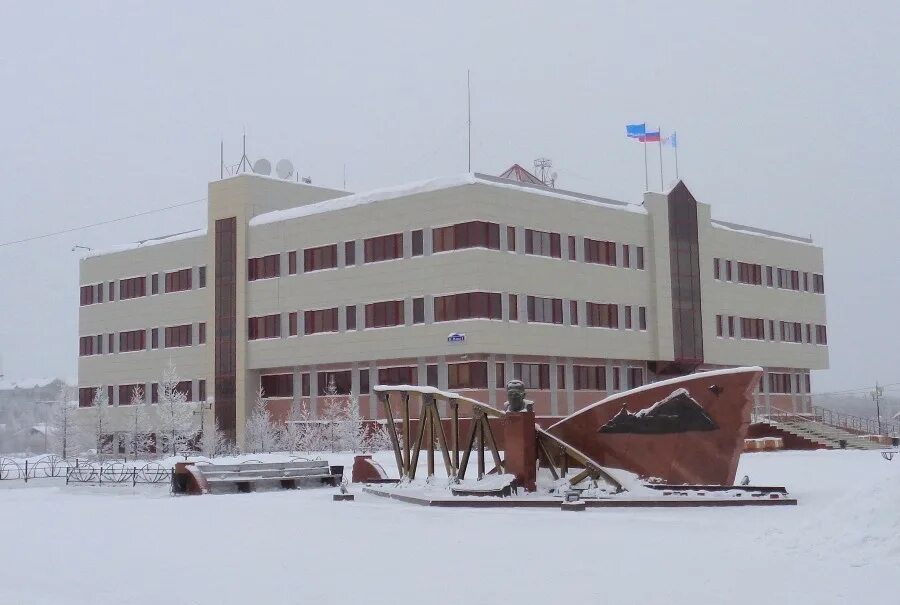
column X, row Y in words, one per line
column 438, row 184
column 153, row 241
column 794, row 239
column 26, row 383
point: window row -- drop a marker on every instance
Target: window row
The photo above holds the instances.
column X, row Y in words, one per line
column 450, row 307
column 754, row 328
column 136, row 287
column 132, row 394
column 775, row 277
column 787, row 384
column 136, row 340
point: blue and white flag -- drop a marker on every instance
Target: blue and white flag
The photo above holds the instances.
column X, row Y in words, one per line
column 634, row 131
column 671, row 140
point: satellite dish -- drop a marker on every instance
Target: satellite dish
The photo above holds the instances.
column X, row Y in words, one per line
column 262, row 166
column 284, row 169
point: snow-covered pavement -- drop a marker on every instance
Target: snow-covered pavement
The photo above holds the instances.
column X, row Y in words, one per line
column 90, row 545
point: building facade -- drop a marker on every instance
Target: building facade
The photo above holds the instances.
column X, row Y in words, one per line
column 460, row 283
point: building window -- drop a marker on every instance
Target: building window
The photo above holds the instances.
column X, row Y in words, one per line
column 513, row 307
column 617, row 378
column 335, row 383
column 321, row 320
column 292, row 323
column 818, row 283
column 263, row 267
column 99, row 344
column 731, row 332
column 626, row 256
column 178, row 336
column 418, row 305
column 821, row 335
column 201, row 276
column 133, row 287
column 753, row 328
column 599, row 252
column 474, row 234
column 399, row 375
column 265, row 326
column 544, row 310
column 86, row 346
column 318, row 259
column 809, row 333
column 749, row 273
column 178, row 281
column 112, row 291
column 779, row 383
column 788, row 280
column 201, row 390
column 470, row 305
column 471, row 375
column 534, row 375
column 277, row 385
column 350, row 313
column 384, row 314
column 769, row 272
column 560, row 377
column 602, row 315
column 640, row 257
column 719, row 326
column 418, row 244
column 431, row 375
column 154, row 338
column 304, row 385
column 349, row 254
column 384, row 247
column 127, row 393
column 542, row 243
column 728, row 276
column 364, row 387
column 292, row 262
column 573, row 312
column 88, row 295
column 791, row 331
column 500, row 378
column 805, row 281
column 86, row 397
column 154, row 393
column 772, row 329
column 627, row 312
column 571, row 247
column 201, row 333
column 511, row 238
column 642, row 318
column 154, row 283
column 589, row 378
column 635, row 377
column 134, row 340
column 186, row 388
column 111, row 342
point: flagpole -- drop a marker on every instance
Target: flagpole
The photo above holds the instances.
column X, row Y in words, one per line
column 661, row 185
column 646, row 179
column 675, row 147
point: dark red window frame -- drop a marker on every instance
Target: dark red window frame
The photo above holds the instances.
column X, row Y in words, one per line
column 473, row 234
column 589, row 378
column 264, row 326
column 178, row 336
column 263, row 267
column 602, row 315
column 132, row 340
column 599, row 252
column 468, row 305
column 468, row 375
column 544, row 310
column 320, row 320
column 385, row 314
column 543, row 243
column 534, row 375
column 383, row 247
column 277, row 385
column 320, row 258
column 178, row 281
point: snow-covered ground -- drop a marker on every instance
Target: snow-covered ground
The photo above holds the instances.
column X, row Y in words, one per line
column 89, row 545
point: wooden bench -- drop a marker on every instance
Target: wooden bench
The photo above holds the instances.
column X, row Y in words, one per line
column 250, row 477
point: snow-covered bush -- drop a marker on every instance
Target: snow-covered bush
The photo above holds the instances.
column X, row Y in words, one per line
column 260, row 432
column 176, row 426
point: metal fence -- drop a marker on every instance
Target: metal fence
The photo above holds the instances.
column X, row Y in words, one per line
column 79, row 470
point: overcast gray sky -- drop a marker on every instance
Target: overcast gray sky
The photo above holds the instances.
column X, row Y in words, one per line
column 786, row 114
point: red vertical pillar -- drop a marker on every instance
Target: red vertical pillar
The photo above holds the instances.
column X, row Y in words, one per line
column 520, row 444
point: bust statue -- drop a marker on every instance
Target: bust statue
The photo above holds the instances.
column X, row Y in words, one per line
column 515, row 394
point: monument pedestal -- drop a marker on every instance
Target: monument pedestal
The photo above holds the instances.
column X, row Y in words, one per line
column 520, row 445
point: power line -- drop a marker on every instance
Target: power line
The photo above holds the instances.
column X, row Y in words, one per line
column 854, row 391
column 101, row 223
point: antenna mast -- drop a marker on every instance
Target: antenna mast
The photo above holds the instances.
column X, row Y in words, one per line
column 469, row 112
column 245, row 161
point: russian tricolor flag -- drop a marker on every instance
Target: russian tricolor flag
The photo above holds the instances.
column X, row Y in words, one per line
column 649, row 137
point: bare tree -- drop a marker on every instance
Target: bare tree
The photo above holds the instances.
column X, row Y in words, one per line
column 137, row 437
column 99, row 422
column 62, row 430
column 302, row 432
column 213, row 441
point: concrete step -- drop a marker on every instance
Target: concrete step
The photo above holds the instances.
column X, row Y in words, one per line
column 823, row 434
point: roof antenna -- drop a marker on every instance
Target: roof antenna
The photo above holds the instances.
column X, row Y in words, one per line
column 469, row 112
column 244, row 164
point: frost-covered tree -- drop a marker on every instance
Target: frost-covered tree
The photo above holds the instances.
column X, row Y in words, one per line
column 138, row 428
column 62, row 429
column 213, row 441
column 344, row 429
column 260, row 432
column 176, row 426
column 378, row 439
column 99, row 433
column 301, row 432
